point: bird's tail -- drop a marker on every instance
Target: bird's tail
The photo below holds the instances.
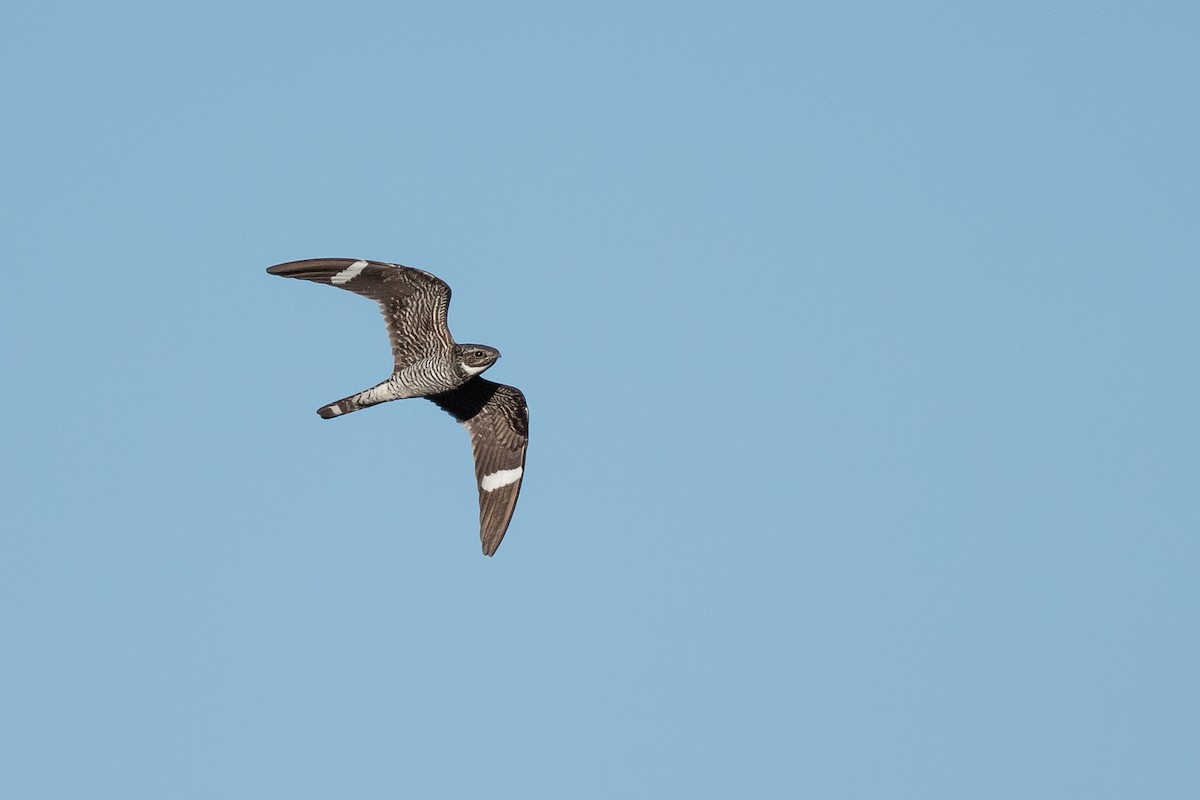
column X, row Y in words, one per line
column 364, row 399
column 343, row 406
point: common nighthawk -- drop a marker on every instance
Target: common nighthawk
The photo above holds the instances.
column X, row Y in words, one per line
column 430, row 364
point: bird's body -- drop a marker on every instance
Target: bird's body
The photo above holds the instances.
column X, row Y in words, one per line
column 429, row 363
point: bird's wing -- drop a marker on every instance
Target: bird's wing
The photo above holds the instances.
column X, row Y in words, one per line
column 414, row 303
column 497, row 418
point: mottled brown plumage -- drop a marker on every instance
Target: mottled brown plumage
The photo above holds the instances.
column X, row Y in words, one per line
column 427, row 362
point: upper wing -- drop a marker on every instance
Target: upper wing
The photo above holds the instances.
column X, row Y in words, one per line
column 497, row 418
column 414, row 303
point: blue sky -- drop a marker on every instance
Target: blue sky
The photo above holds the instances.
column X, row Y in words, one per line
column 860, row 346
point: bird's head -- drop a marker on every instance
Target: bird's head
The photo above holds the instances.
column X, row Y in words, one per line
column 475, row 358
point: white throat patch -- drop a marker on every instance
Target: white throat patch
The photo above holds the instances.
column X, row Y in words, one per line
column 467, row 368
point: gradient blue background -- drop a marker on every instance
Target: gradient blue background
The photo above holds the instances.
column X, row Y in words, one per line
column 860, row 341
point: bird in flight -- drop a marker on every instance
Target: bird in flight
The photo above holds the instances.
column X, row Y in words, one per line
column 430, row 364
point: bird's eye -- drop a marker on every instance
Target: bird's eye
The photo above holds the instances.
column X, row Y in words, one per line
column 479, row 354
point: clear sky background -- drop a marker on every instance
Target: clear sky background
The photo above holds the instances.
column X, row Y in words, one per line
column 860, row 341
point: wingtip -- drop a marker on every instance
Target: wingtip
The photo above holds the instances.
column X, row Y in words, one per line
column 290, row 269
column 284, row 271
